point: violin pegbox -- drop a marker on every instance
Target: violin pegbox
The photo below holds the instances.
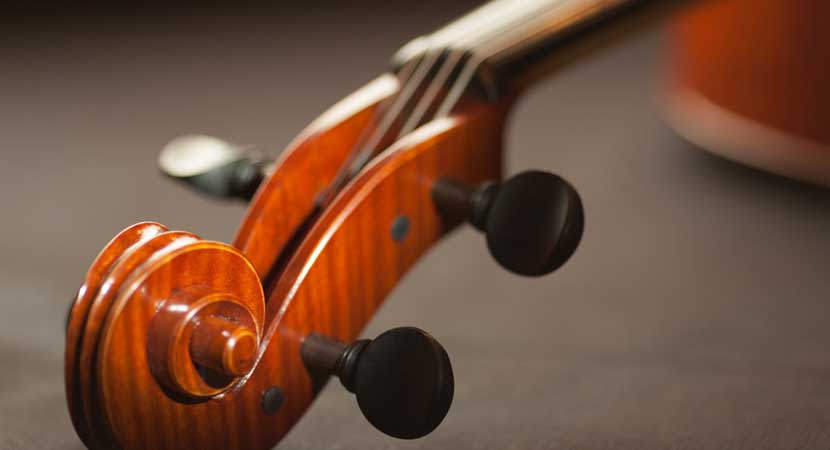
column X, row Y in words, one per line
column 192, row 309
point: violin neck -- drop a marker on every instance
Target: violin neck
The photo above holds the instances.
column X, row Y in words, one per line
column 516, row 42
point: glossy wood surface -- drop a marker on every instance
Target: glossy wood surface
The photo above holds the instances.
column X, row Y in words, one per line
column 141, row 370
column 304, row 170
column 720, row 348
column 766, row 60
column 339, row 275
column 224, row 345
column 124, row 346
column 115, row 250
column 98, row 312
column 188, row 363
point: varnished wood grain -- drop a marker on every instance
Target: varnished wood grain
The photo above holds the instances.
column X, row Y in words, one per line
column 223, row 344
column 766, row 60
column 113, row 252
column 192, row 339
column 685, row 355
column 98, row 312
column 232, row 282
column 328, row 278
column 338, row 276
column 304, row 170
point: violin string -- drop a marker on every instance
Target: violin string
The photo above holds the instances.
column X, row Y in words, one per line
column 458, row 87
column 432, row 92
column 405, row 76
column 414, row 74
column 491, row 19
column 477, row 42
column 411, row 76
column 390, row 115
column 419, row 71
column 456, row 40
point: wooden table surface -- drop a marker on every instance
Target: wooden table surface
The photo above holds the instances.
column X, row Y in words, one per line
column 694, row 315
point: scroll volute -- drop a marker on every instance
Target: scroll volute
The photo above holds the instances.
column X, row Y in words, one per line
column 202, row 306
column 202, row 340
column 172, row 311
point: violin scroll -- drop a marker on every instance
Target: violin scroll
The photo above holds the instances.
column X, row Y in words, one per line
column 178, row 330
column 164, row 310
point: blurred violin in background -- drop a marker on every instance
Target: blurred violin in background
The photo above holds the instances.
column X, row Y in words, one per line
column 178, row 342
column 749, row 82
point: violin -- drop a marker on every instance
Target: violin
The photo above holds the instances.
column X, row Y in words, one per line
column 174, row 341
column 761, row 101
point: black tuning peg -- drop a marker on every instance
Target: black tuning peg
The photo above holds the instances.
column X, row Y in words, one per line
column 533, row 222
column 402, row 379
column 213, row 166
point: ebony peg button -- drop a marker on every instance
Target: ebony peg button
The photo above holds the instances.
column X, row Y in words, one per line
column 402, row 379
column 533, row 222
column 213, row 166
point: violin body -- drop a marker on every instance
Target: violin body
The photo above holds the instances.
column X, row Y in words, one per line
column 749, row 82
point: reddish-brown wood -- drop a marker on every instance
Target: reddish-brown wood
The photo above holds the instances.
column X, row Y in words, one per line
column 768, row 60
column 340, row 273
column 193, row 338
column 304, row 170
column 99, row 308
column 227, row 346
column 120, row 246
column 233, row 296
column 748, row 83
column 173, row 343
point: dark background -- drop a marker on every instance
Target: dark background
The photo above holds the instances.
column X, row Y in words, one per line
column 694, row 315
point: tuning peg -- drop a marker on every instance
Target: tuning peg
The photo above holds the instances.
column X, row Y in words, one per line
column 533, row 222
column 402, row 379
column 213, row 166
